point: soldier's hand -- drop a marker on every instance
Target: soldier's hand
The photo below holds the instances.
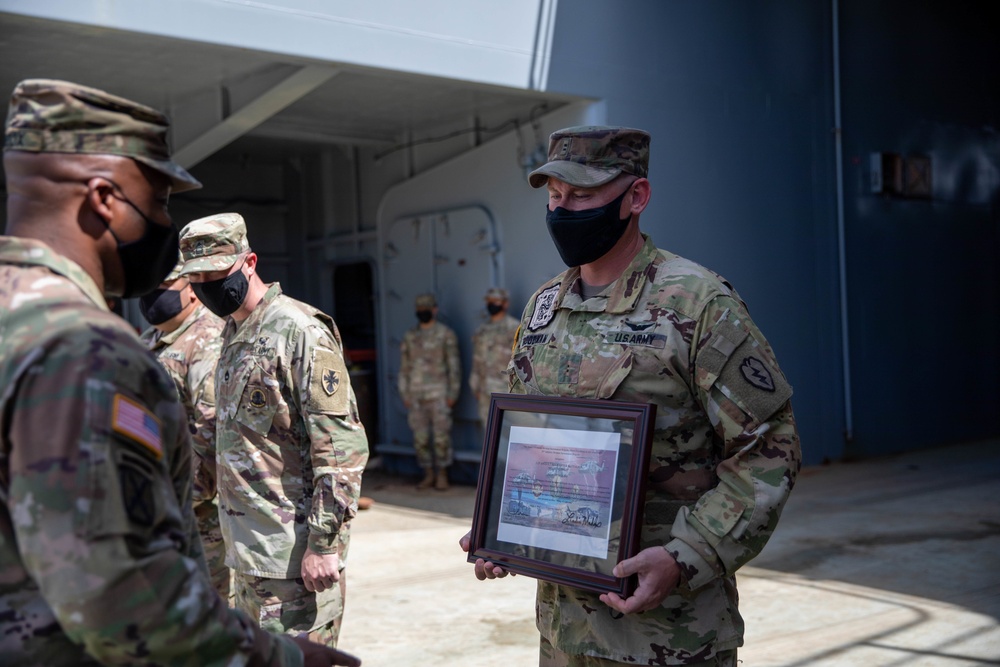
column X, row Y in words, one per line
column 450, row 402
column 658, row 573
column 317, row 655
column 484, row 568
column 320, row 571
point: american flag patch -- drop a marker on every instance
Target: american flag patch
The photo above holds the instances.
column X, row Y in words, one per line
column 137, row 423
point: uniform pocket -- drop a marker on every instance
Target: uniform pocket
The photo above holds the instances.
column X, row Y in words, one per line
column 259, row 402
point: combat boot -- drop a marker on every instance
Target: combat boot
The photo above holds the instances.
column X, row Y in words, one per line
column 428, row 480
column 441, row 481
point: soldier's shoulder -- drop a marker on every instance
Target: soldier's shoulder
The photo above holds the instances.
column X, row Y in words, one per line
column 109, row 345
column 684, row 285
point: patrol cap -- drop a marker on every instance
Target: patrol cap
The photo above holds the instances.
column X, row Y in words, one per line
column 425, row 300
column 213, row 243
column 49, row 116
column 592, row 155
column 497, row 293
column 175, row 273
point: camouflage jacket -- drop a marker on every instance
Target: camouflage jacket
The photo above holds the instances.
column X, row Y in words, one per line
column 190, row 353
column 725, row 449
column 99, row 559
column 491, row 347
column 291, row 447
column 429, row 365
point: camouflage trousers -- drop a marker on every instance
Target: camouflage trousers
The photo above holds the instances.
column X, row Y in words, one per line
column 550, row 656
column 207, row 517
column 284, row 606
column 422, row 417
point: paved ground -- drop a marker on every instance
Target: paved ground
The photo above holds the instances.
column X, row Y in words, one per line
column 875, row 564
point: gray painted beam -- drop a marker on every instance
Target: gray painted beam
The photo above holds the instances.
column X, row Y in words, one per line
column 253, row 114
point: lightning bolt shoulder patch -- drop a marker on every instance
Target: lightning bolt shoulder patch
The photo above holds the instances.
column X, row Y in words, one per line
column 734, row 362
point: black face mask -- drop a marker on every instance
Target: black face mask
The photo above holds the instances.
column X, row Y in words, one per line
column 150, row 258
column 584, row 236
column 425, row 316
column 493, row 308
column 160, row 305
column 225, row 295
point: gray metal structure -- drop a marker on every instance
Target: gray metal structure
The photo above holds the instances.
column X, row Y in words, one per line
column 882, row 305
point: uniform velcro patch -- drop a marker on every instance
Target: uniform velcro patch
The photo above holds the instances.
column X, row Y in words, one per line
column 753, row 381
column 136, row 423
column 329, row 383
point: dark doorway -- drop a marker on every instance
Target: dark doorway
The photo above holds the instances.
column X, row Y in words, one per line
column 354, row 311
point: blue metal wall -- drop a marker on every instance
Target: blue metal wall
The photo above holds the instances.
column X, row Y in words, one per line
column 739, row 99
column 924, row 285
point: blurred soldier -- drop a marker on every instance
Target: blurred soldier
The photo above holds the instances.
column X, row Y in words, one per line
column 185, row 337
column 100, row 561
column 630, row 322
column 430, row 377
column 290, row 444
column 491, row 345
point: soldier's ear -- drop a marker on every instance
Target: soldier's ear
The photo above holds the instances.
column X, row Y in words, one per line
column 100, row 197
column 251, row 263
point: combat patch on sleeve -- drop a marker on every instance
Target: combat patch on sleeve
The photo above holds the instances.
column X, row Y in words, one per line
column 137, row 494
column 752, row 380
column 329, row 383
column 137, row 423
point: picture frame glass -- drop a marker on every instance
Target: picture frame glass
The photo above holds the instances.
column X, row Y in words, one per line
column 561, row 488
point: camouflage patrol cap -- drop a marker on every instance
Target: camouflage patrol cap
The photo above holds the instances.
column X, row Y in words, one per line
column 497, row 293
column 425, row 300
column 213, row 243
column 176, row 272
column 592, row 155
column 49, row 116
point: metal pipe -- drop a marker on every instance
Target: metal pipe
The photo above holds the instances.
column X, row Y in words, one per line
column 841, row 244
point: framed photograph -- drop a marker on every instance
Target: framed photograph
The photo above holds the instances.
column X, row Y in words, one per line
column 562, row 487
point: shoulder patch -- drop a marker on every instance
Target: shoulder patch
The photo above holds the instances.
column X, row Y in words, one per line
column 756, row 373
column 754, row 381
column 137, row 423
column 544, row 310
column 328, row 383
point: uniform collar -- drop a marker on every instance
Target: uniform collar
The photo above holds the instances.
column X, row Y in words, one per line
column 158, row 339
column 618, row 297
column 30, row 252
column 249, row 329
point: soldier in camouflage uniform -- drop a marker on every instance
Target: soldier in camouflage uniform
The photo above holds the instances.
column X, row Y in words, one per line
column 429, row 382
column 185, row 337
column 100, row 561
column 630, row 322
column 289, row 442
column 491, row 346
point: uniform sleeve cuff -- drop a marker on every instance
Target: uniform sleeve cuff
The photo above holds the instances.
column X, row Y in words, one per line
column 323, row 544
column 695, row 569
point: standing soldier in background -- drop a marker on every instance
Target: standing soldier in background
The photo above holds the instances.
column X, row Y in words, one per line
column 186, row 339
column 430, row 378
column 290, row 444
column 491, row 346
column 100, row 562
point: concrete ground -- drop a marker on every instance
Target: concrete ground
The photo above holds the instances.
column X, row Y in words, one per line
column 894, row 561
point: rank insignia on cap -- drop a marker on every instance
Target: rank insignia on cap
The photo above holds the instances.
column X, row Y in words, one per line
column 331, row 381
column 544, row 311
column 136, row 423
column 756, row 373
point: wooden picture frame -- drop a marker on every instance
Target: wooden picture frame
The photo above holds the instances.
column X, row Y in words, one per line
column 562, row 488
